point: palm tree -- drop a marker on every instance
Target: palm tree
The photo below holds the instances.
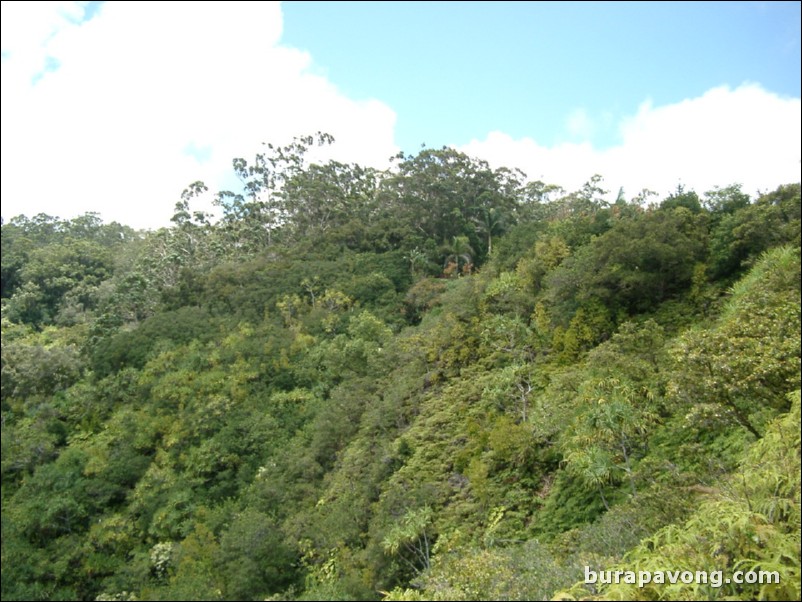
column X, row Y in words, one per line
column 417, row 261
column 460, row 253
column 489, row 222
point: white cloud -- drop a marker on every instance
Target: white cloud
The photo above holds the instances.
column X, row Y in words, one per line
column 579, row 124
column 148, row 97
column 140, row 86
column 744, row 135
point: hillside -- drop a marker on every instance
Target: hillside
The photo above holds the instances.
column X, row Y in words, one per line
column 437, row 382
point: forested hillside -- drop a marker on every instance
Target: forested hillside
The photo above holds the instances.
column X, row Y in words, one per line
column 442, row 381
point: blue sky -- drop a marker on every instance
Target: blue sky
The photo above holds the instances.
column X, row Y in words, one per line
column 455, row 71
column 115, row 107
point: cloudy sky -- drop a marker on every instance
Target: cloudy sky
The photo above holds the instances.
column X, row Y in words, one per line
column 115, row 107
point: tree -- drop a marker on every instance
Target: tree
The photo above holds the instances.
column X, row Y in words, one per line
column 726, row 200
column 682, row 198
column 334, row 196
column 744, row 364
column 634, row 266
column 459, row 255
column 438, row 193
column 608, row 433
column 742, row 231
column 409, row 540
column 752, row 525
column 489, row 222
column 251, row 218
column 57, row 274
column 253, row 559
column 544, row 256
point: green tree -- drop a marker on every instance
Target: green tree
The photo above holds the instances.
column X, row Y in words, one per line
column 254, row 560
column 751, row 525
column 682, row 198
column 334, row 196
column 745, row 363
column 410, row 539
column 437, row 193
column 252, row 217
column 489, row 222
column 634, row 266
column 744, row 231
column 609, row 433
column 459, row 256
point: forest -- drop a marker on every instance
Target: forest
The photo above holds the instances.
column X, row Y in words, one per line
column 441, row 381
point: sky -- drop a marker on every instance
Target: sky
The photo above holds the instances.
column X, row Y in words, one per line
column 115, row 107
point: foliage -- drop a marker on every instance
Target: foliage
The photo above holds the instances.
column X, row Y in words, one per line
column 748, row 362
column 752, row 525
column 435, row 382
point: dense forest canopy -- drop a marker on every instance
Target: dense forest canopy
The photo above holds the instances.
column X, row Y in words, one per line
column 440, row 381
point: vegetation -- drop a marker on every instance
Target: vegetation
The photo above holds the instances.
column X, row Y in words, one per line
column 436, row 382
